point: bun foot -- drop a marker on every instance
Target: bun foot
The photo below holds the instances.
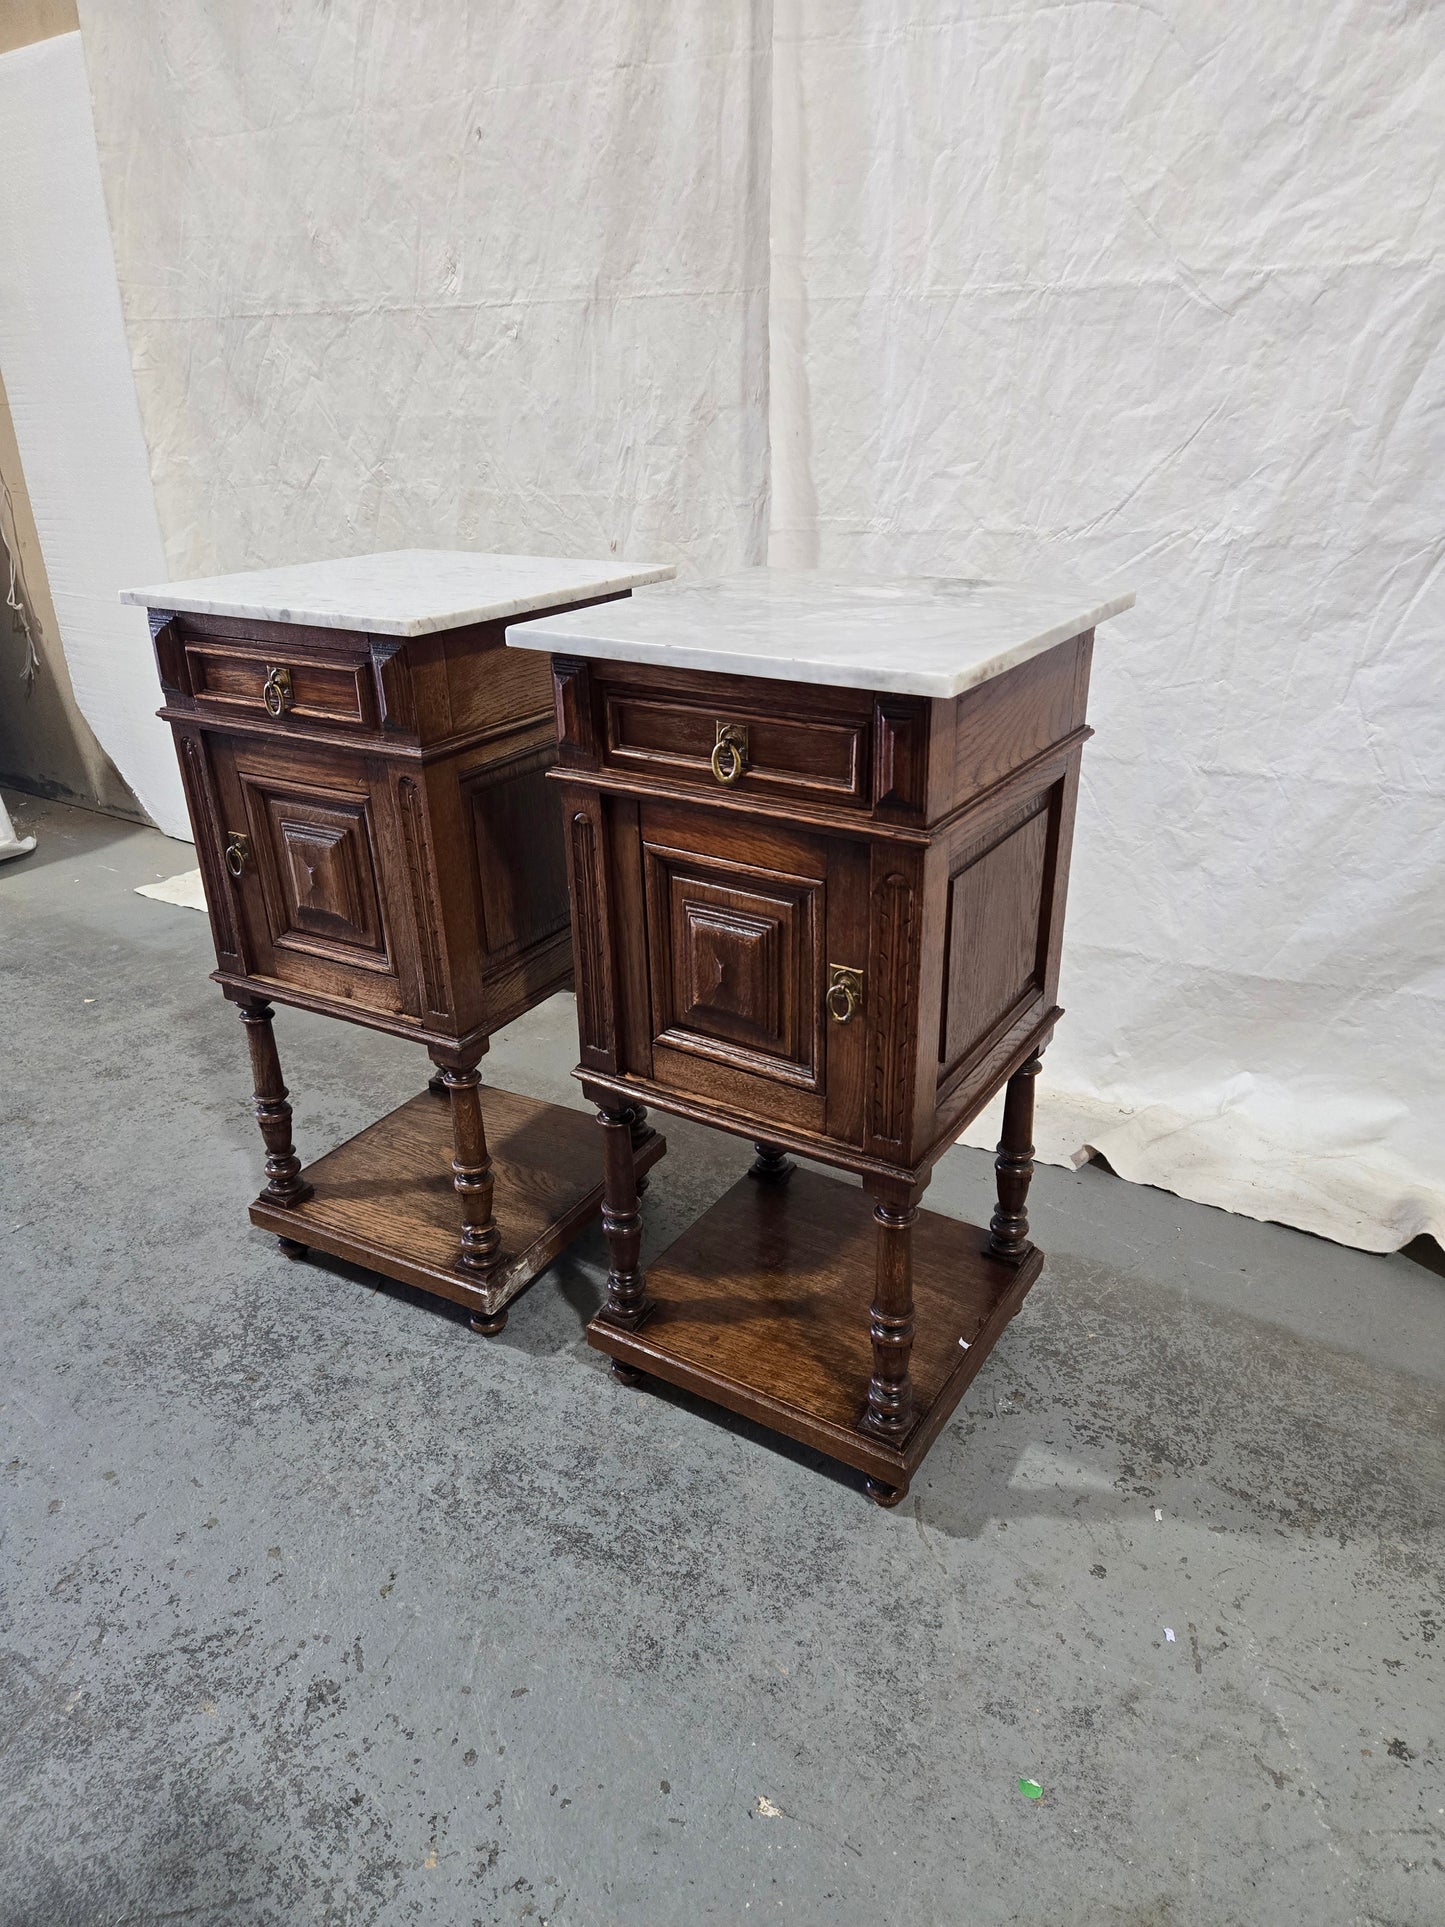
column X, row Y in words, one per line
column 771, row 1166
column 293, row 1248
column 625, row 1374
column 884, row 1495
column 488, row 1327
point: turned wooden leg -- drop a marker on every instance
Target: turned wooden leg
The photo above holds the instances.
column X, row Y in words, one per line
column 273, row 1113
column 481, row 1250
column 639, row 1130
column 890, row 1391
column 1008, row 1231
column 771, row 1166
column 627, row 1302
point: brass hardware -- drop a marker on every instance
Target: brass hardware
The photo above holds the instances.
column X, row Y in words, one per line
column 238, row 853
column 845, row 993
column 276, row 691
column 730, row 752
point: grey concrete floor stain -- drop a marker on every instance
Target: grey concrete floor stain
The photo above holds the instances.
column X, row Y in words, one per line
column 318, row 1607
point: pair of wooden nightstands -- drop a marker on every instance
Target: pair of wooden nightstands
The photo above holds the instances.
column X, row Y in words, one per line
column 815, row 836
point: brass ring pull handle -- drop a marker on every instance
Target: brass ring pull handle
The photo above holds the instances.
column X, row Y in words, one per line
column 238, row 854
column 730, row 752
column 276, row 690
column 844, row 998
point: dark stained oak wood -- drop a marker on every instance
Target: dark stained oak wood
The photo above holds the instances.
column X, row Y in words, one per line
column 1006, row 722
column 284, row 1184
column 889, row 1412
column 830, row 920
column 627, row 1303
column 761, row 1306
column 817, row 760
column 227, row 679
column 1008, row 1237
column 385, row 1200
column 379, row 842
column 472, row 1179
column 771, row 1166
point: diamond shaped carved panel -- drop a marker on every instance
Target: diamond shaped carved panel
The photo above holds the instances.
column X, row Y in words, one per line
column 736, row 965
column 318, row 872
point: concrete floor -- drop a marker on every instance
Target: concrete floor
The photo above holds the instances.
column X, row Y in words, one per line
column 319, row 1608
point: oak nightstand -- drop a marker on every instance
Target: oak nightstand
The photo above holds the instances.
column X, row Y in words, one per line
column 365, row 767
column 818, row 834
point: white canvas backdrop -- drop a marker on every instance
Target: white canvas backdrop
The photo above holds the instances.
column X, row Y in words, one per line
column 972, row 285
column 442, row 275
column 1159, row 292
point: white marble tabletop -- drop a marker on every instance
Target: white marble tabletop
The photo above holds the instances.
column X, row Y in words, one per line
column 402, row 592
column 920, row 635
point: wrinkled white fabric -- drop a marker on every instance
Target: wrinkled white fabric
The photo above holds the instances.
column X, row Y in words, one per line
column 1149, row 291
column 1157, row 291
column 438, row 275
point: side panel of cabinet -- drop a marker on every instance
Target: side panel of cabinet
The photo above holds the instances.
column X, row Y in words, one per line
column 997, row 895
column 513, row 828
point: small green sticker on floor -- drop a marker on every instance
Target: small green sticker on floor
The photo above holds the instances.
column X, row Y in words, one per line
column 1031, row 1790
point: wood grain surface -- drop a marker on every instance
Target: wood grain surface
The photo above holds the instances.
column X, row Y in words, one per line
column 385, row 1199
column 763, row 1307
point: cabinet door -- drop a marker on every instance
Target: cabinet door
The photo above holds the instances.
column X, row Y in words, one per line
column 313, row 879
column 744, row 923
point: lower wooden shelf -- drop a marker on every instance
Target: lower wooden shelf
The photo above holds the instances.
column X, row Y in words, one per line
column 385, row 1200
column 762, row 1306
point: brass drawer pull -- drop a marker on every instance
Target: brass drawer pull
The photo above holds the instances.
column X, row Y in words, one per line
column 730, row 752
column 238, row 853
column 276, row 691
column 845, row 993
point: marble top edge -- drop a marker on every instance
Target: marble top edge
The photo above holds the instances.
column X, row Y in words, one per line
column 402, row 592
column 925, row 635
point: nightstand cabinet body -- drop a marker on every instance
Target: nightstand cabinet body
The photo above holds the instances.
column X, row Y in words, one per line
column 373, row 822
column 828, row 919
column 379, row 842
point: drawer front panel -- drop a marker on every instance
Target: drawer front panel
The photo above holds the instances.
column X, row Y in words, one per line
column 233, row 681
column 820, row 760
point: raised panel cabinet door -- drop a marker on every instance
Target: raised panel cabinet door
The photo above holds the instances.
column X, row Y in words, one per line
column 742, row 920
column 314, row 858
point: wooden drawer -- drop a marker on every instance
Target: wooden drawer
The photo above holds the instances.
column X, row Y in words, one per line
column 278, row 685
column 748, row 749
